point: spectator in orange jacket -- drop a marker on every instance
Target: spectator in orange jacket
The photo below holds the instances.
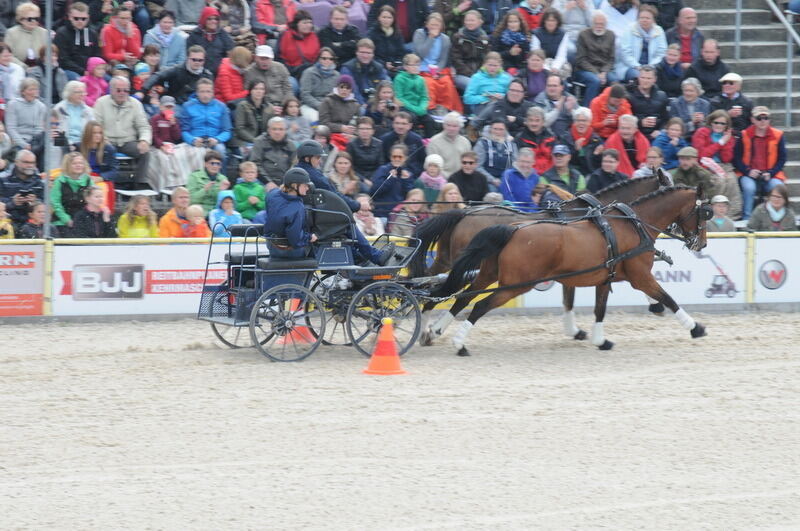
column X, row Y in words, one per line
column 631, row 144
column 120, row 38
column 607, row 108
column 175, row 223
column 229, row 84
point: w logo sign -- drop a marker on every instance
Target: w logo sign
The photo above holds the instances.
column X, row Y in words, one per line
column 772, row 274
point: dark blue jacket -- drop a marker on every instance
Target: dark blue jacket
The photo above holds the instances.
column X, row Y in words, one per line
column 416, row 150
column 387, row 191
column 11, row 185
column 323, row 183
column 365, row 77
column 286, row 218
column 109, row 168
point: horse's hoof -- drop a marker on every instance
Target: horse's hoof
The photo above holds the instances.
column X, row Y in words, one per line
column 580, row 336
column 698, row 331
column 425, row 339
column 607, row 345
column 657, row 309
column 463, row 352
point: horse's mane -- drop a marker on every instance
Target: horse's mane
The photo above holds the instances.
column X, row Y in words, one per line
column 621, row 184
column 660, row 192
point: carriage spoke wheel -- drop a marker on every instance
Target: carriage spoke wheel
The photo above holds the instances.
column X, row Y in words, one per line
column 335, row 315
column 373, row 303
column 231, row 336
column 282, row 320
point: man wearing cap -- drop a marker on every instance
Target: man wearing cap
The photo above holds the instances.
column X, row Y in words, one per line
column 273, row 74
column 180, row 81
column 759, row 157
column 720, row 222
column 450, row 144
column 690, row 173
column 561, row 174
column 739, row 106
column 208, row 34
column 709, row 69
column 365, row 70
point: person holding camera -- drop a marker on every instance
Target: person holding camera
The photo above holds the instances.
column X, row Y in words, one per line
column 382, row 107
column 365, row 71
column 20, row 185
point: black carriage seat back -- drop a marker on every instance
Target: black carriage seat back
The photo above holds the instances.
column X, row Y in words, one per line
column 273, row 264
column 331, row 218
column 252, row 253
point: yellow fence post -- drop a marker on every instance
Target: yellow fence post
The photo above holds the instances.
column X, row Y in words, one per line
column 750, row 268
column 47, row 286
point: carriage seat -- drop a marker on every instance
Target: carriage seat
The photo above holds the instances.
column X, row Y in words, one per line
column 245, row 258
column 330, row 216
column 273, row 264
column 246, row 230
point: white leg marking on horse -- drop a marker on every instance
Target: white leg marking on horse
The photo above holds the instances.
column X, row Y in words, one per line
column 442, row 323
column 598, row 337
column 685, row 319
column 570, row 328
column 650, row 299
column 460, row 337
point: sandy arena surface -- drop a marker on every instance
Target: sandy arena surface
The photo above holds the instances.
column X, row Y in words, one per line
column 154, row 426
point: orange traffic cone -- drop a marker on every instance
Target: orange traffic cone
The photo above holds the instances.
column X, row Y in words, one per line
column 298, row 334
column 384, row 360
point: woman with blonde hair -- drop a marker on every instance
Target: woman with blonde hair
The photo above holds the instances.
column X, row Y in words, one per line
column 343, row 176
column 449, row 199
column 139, row 220
column 405, row 217
column 67, row 191
column 28, row 36
column 229, row 83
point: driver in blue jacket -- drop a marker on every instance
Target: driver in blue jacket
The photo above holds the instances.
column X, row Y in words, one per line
column 286, row 227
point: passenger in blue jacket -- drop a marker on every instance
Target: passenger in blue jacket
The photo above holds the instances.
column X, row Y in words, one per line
column 518, row 182
column 391, row 182
column 286, row 226
column 310, row 158
column 206, row 122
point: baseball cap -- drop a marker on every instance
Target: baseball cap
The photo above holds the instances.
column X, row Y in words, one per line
column 167, row 101
column 719, row 199
column 688, row 151
column 760, row 110
column 730, row 76
column 561, row 149
column 265, row 51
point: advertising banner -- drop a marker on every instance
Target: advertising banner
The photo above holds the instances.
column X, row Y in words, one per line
column 776, row 270
column 714, row 276
column 133, row 279
column 21, row 279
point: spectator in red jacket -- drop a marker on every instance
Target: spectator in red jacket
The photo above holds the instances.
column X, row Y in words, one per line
column 607, row 108
column 229, row 86
column 631, row 144
column 120, row 38
column 717, row 141
column 299, row 45
column 270, row 18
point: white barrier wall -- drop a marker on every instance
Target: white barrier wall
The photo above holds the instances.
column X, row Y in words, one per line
column 132, row 279
column 777, row 270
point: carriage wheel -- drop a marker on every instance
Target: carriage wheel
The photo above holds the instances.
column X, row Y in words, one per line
column 373, row 303
column 280, row 324
column 335, row 331
column 231, row 336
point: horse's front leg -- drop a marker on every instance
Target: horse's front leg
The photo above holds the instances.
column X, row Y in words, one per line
column 600, row 302
column 570, row 328
column 652, row 288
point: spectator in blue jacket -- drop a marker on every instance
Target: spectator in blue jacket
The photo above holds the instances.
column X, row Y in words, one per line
column 487, row 85
column 671, row 140
column 286, row 227
column 224, row 215
column 365, row 70
column 518, row 182
column 206, row 122
column 391, row 182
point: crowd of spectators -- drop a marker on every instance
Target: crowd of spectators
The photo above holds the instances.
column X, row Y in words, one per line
column 417, row 107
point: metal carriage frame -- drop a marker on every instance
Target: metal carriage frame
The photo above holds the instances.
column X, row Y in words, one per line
column 291, row 306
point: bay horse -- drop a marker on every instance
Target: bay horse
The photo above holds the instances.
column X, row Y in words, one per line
column 455, row 229
column 577, row 254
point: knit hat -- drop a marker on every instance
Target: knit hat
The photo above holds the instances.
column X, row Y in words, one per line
column 434, row 159
column 344, row 79
column 141, row 68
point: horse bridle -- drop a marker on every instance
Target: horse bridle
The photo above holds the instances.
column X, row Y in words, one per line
column 702, row 213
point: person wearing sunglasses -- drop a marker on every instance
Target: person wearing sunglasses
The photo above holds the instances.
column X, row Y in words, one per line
column 205, row 185
column 180, row 81
column 759, row 158
column 739, row 106
column 215, row 41
column 76, row 41
column 717, row 141
column 317, row 82
column 27, row 36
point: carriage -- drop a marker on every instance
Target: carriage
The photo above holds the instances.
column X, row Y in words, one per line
column 291, row 306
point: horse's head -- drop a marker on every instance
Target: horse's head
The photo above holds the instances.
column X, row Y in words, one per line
column 692, row 220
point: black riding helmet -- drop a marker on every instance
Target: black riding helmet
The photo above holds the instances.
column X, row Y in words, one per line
column 310, row 148
column 298, row 176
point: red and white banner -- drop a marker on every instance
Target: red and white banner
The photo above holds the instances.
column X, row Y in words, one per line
column 133, row 279
column 21, row 279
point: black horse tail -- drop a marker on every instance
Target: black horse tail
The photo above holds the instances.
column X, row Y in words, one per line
column 488, row 242
column 430, row 232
